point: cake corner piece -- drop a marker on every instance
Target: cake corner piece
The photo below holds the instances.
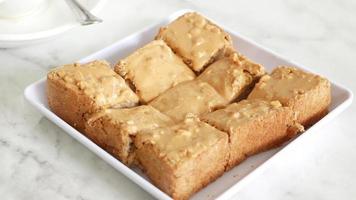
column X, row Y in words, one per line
column 199, row 42
column 308, row 95
column 76, row 90
column 253, row 126
column 183, row 158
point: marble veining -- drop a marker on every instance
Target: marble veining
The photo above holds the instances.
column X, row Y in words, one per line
column 39, row 161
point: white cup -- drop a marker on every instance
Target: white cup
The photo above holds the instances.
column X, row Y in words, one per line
column 20, row 8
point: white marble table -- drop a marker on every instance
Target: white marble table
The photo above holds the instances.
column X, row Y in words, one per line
column 39, row 161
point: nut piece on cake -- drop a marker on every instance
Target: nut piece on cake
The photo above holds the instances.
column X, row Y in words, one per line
column 195, row 39
column 307, row 94
column 194, row 97
column 232, row 76
column 253, row 126
column 182, row 159
column 153, row 69
column 114, row 129
column 76, row 90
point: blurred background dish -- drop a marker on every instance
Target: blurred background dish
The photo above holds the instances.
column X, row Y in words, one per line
column 20, row 8
column 54, row 18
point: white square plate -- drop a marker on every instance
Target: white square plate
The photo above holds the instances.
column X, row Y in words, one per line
column 231, row 181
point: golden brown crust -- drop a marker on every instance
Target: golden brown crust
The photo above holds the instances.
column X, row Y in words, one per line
column 68, row 104
column 110, row 137
column 315, row 117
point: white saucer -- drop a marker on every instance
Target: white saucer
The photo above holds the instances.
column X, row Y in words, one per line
column 56, row 18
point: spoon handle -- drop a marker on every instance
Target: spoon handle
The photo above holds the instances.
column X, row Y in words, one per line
column 83, row 15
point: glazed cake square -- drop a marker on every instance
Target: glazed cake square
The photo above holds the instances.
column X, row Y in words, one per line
column 232, row 76
column 115, row 129
column 195, row 39
column 308, row 95
column 182, row 159
column 75, row 91
column 153, row 69
column 253, row 126
column 192, row 97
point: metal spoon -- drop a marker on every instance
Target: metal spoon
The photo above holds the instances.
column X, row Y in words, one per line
column 83, row 15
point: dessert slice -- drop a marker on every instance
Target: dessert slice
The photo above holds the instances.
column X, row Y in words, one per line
column 253, row 126
column 307, row 94
column 115, row 129
column 194, row 97
column 76, row 90
column 182, row 159
column 232, row 76
column 195, row 39
column 153, row 69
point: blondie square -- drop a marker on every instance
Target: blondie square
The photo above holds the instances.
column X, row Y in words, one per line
column 153, row 69
column 307, row 94
column 182, row 159
column 253, row 126
column 115, row 129
column 232, row 76
column 191, row 97
column 195, row 39
column 75, row 91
